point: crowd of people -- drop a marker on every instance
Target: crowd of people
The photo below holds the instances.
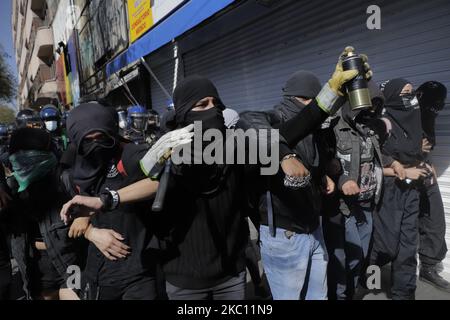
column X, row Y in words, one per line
column 354, row 188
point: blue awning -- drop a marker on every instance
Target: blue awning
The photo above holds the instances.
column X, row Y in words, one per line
column 188, row 16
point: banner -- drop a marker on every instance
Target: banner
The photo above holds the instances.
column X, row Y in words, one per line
column 140, row 17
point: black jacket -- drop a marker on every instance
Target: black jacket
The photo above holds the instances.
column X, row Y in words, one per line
column 294, row 210
column 43, row 208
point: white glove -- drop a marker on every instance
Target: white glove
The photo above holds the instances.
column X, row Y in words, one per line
column 164, row 146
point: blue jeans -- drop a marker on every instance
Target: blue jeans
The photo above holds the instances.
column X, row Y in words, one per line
column 296, row 267
column 348, row 240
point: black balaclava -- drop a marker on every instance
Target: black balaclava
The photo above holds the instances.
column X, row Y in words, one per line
column 302, row 84
column 93, row 158
column 188, row 93
column 202, row 178
column 432, row 100
column 405, row 112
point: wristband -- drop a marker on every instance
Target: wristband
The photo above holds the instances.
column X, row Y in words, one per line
column 110, row 200
column 289, row 156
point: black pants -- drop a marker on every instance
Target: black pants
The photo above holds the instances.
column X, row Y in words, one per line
column 43, row 275
column 432, row 248
column 5, row 282
column 396, row 236
column 142, row 289
column 233, row 289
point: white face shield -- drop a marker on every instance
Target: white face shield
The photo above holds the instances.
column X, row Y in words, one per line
column 51, row 126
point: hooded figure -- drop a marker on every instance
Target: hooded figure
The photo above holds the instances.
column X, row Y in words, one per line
column 191, row 91
column 30, row 156
column 432, row 95
column 202, row 177
column 405, row 143
column 92, row 157
column 36, row 216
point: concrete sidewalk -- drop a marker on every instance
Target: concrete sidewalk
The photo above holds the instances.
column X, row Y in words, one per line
column 424, row 290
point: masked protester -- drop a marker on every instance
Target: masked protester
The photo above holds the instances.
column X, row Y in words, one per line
column 433, row 247
column 348, row 227
column 295, row 186
column 39, row 240
column 120, row 262
column 203, row 226
column 396, row 224
column 5, row 262
column 51, row 117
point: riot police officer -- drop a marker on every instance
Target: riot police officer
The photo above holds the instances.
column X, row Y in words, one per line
column 28, row 118
column 51, row 117
column 138, row 118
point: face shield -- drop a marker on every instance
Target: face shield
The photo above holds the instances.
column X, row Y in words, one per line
column 122, row 119
column 139, row 121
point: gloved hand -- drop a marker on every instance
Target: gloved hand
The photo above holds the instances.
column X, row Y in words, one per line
column 330, row 99
column 162, row 149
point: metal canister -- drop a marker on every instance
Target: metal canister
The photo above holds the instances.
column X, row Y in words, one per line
column 357, row 89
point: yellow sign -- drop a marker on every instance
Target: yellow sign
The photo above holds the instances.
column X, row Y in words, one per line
column 140, row 16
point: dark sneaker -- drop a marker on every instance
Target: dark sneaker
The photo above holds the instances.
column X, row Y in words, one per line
column 431, row 276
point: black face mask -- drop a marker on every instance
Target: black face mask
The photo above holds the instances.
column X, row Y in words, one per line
column 211, row 119
column 365, row 117
column 99, row 152
column 410, row 102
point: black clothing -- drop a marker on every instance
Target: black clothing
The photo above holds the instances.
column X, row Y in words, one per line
column 43, row 274
column 91, row 166
column 205, row 234
column 396, row 236
column 405, row 141
column 141, row 289
column 40, row 206
column 230, row 290
column 30, row 139
column 189, row 92
column 5, row 267
column 285, row 201
column 302, row 84
column 433, row 247
column 132, row 221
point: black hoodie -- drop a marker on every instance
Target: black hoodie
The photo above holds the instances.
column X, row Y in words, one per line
column 120, row 168
column 405, row 141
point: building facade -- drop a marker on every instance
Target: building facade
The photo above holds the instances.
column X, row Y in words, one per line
column 33, row 42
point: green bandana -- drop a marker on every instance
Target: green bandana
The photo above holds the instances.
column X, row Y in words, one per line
column 31, row 165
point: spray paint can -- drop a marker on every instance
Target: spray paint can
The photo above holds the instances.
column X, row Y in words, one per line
column 357, row 89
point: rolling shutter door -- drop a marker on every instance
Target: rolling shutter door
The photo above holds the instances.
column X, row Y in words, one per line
column 251, row 65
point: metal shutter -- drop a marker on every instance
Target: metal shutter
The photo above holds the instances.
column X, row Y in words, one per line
column 251, row 65
column 167, row 70
column 442, row 161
